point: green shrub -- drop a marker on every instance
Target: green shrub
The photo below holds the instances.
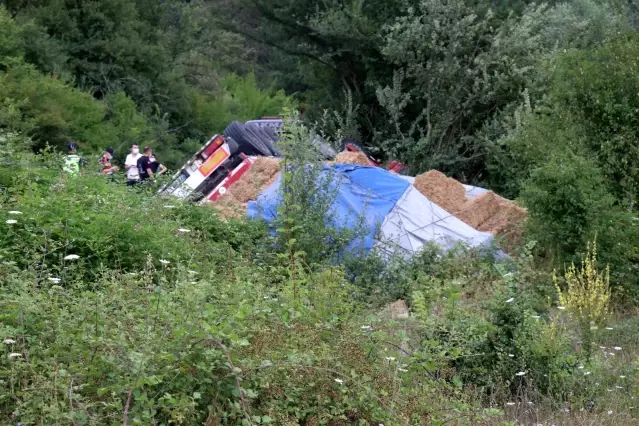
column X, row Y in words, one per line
column 600, row 86
column 109, row 225
column 567, row 201
column 10, row 41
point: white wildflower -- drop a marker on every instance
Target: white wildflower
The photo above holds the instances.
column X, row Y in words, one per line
column 9, row 341
column 609, row 412
column 617, row 348
column 390, row 358
column 587, row 373
column 403, row 370
column 511, row 355
column 15, row 355
column 512, row 299
column 71, row 257
column 622, row 377
column 340, row 381
column 54, row 280
column 581, row 367
column 561, row 308
column 619, row 387
column 12, row 221
column 14, row 212
column 609, row 328
column 193, row 273
column 366, row 327
column 164, row 262
column 521, row 373
column 184, row 230
column 510, row 403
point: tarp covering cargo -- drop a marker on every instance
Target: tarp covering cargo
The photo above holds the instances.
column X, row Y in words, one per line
column 388, row 203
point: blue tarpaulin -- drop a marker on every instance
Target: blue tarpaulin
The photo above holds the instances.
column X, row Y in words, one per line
column 387, row 203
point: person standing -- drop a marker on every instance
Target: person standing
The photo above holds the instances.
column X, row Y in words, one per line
column 156, row 165
column 131, row 166
column 73, row 162
column 144, row 164
column 105, row 163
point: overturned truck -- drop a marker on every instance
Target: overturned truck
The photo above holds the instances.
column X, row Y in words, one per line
column 225, row 158
column 239, row 173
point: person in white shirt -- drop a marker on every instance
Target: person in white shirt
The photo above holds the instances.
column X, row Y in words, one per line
column 131, row 166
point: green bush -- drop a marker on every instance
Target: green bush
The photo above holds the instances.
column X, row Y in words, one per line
column 52, row 112
column 108, row 224
column 567, row 201
column 10, row 41
column 601, row 87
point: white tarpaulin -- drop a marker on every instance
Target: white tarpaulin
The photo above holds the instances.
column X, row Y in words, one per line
column 415, row 221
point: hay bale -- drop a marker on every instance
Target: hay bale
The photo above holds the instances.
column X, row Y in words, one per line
column 229, row 207
column 262, row 173
column 442, row 190
column 508, row 225
column 480, row 209
column 509, row 217
column 348, row 157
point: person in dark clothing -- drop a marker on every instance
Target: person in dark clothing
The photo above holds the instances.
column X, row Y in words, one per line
column 144, row 164
column 156, row 165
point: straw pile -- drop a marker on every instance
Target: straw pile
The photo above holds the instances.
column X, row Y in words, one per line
column 263, row 172
column 348, row 157
column 487, row 212
column 480, row 209
column 229, row 207
column 443, row 191
column 261, row 175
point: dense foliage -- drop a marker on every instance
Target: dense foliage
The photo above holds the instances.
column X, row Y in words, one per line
column 118, row 306
column 122, row 72
column 122, row 307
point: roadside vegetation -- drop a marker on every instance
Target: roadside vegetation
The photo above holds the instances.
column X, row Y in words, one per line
column 122, row 307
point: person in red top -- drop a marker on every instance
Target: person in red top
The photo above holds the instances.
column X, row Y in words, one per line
column 105, row 163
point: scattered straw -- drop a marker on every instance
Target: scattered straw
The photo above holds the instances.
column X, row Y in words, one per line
column 348, row 157
column 229, row 207
column 261, row 175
